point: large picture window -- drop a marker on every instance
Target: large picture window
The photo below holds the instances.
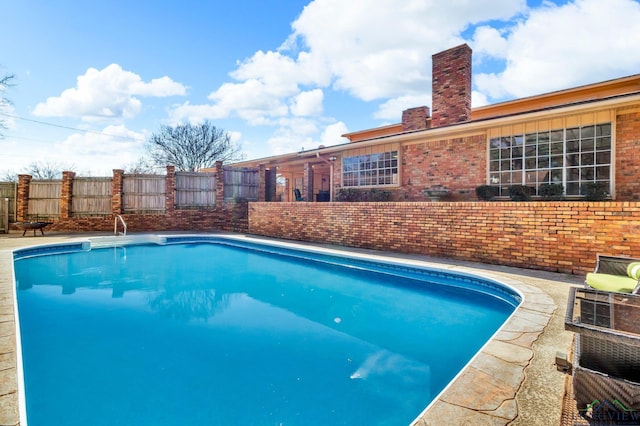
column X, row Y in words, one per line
column 571, row 157
column 370, row 170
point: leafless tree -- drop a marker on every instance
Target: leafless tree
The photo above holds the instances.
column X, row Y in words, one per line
column 141, row 166
column 8, row 176
column 47, row 170
column 191, row 147
column 5, row 82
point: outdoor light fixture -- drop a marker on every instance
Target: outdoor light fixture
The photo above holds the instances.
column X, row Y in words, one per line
column 333, row 158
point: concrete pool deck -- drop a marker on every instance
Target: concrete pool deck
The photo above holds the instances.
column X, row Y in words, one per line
column 512, row 381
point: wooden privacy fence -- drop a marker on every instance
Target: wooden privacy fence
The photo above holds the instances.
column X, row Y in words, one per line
column 195, row 189
column 144, row 193
column 8, row 191
column 241, row 182
column 44, row 199
column 132, row 194
column 91, row 196
column 4, row 215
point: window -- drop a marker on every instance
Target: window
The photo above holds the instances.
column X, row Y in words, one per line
column 370, row 170
column 571, row 157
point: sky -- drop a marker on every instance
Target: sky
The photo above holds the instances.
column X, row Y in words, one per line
column 94, row 80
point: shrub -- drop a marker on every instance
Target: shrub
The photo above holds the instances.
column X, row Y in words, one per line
column 377, row 195
column 551, row 191
column 487, row 192
column 519, row 193
column 351, row 195
column 595, row 191
column 348, row 195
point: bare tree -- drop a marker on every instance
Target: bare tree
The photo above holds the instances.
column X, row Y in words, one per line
column 8, row 176
column 46, row 170
column 141, row 166
column 191, row 147
column 5, row 82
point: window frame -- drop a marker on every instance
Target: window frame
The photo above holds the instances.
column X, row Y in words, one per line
column 371, row 170
column 571, row 156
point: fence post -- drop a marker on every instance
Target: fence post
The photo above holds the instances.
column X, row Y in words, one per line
column 219, row 184
column 116, row 194
column 22, row 198
column 66, row 194
column 170, row 190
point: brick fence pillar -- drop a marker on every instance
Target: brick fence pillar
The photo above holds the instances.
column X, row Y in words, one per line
column 22, row 198
column 116, row 195
column 66, row 194
column 219, row 184
column 170, row 190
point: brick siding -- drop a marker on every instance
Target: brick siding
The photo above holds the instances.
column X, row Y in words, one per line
column 627, row 181
column 457, row 164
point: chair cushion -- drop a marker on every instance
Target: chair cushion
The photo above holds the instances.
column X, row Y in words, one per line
column 606, row 282
column 633, row 270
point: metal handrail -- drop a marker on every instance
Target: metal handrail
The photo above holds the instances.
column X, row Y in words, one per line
column 115, row 225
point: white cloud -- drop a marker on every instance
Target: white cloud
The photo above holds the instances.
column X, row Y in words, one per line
column 87, row 153
column 478, row 99
column 109, row 93
column 489, row 41
column 332, row 134
column 385, row 50
column 391, row 110
column 307, row 103
column 114, row 147
column 564, row 46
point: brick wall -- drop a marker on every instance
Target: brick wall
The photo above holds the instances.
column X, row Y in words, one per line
column 627, row 181
column 230, row 217
column 553, row 236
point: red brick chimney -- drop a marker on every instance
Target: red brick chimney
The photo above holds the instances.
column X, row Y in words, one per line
column 451, row 86
column 415, row 118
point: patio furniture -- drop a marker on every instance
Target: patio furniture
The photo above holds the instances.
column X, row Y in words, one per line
column 615, row 273
column 322, row 197
column 298, row 195
column 606, row 363
column 26, row 226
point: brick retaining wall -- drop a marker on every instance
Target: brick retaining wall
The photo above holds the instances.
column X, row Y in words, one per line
column 552, row 236
column 230, row 217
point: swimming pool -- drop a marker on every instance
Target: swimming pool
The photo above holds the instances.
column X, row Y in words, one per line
column 352, row 347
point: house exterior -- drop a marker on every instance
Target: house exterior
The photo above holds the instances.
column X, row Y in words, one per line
column 573, row 137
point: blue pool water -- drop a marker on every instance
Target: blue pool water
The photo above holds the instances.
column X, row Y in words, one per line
column 215, row 334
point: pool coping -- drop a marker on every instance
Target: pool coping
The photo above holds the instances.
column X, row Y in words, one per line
column 502, row 384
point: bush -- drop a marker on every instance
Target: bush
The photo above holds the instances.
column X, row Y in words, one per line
column 351, row 195
column 487, row 192
column 348, row 195
column 377, row 195
column 519, row 193
column 551, row 191
column 595, row 191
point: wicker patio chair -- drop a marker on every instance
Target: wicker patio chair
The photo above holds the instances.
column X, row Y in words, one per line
column 615, row 273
